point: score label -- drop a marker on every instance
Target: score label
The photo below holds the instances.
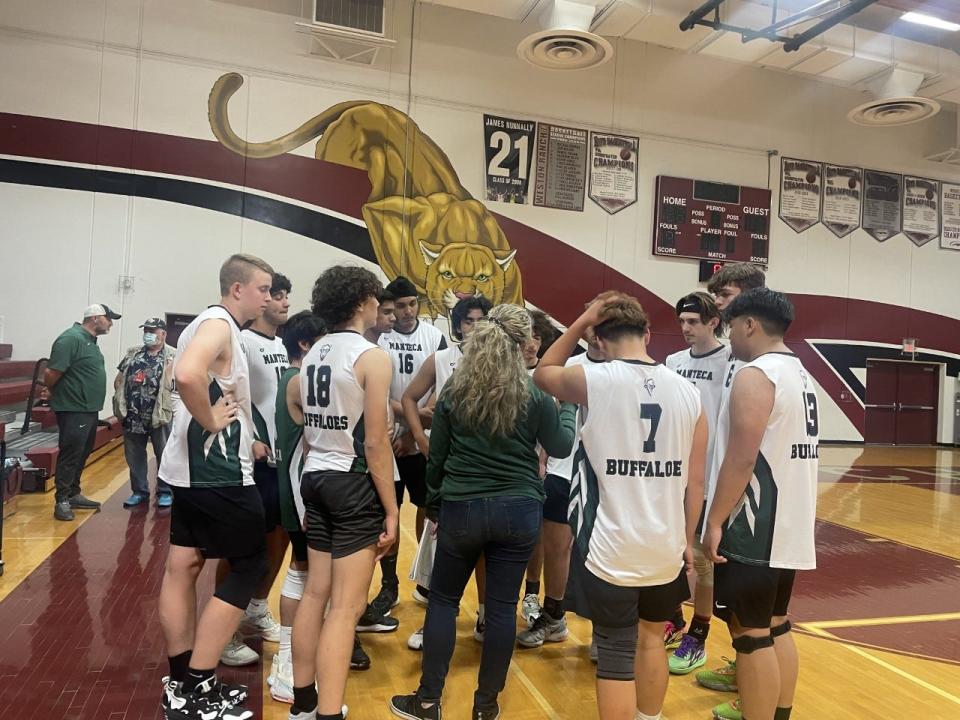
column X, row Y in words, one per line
column 711, row 221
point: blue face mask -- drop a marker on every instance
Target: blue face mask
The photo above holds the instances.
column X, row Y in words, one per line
column 149, row 339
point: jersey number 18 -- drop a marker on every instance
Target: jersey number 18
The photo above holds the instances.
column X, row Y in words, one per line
column 318, row 385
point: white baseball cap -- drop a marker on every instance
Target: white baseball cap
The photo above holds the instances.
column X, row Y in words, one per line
column 100, row 309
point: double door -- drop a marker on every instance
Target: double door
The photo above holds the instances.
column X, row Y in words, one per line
column 903, row 402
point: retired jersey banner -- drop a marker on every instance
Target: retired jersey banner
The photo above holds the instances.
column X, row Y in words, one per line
column 882, row 217
column 950, row 214
column 613, row 170
column 842, row 199
column 801, row 184
column 508, row 146
column 921, row 209
column 561, row 167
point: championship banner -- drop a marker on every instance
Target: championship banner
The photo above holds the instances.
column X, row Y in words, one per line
column 842, row 199
column 801, row 185
column 613, row 170
column 921, row 209
column 507, row 146
column 950, row 209
column 561, row 167
column 881, row 204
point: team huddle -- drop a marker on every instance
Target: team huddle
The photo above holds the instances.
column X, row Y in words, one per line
column 625, row 483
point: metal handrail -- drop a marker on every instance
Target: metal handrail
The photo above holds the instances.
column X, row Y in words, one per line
column 33, row 393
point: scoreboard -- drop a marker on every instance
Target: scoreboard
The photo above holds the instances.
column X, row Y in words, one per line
column 711, row 221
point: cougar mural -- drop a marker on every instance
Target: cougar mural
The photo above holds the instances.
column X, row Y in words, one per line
column 423, row 224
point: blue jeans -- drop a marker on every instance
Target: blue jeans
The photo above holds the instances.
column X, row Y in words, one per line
column 135, row 451
column 505, row 530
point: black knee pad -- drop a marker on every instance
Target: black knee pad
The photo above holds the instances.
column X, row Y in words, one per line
column 616, row 651
column 779, row 630
column 240, row 583
column 747, row 644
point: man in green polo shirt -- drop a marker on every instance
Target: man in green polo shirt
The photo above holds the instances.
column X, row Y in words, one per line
column 77, row 381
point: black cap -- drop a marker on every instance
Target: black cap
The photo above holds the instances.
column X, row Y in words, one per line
column 155, row 323
column 400, row 287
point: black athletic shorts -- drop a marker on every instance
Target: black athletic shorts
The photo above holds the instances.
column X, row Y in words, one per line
column 413, row 477
column 298, row 544
column 558, row 499
column 618, row 606
column 219, row 522
column 343, row 511
column 267, row 482
column 755, row 594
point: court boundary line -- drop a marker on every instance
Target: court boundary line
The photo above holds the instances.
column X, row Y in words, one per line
column 954, row 558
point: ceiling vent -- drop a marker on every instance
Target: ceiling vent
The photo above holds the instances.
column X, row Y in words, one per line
column 349, row 31
column 566, row 42
column 895, row 101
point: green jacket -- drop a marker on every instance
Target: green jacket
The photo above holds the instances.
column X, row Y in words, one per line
column 465, row 466
column 163, row 409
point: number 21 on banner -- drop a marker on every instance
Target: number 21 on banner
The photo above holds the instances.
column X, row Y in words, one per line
column 504, row 145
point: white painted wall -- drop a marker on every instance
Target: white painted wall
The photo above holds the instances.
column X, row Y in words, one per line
column 149, row 65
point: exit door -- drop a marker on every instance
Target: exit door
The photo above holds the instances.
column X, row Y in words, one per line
column 902, row 402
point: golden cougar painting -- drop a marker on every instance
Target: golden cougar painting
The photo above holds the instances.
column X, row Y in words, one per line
column 423, row 224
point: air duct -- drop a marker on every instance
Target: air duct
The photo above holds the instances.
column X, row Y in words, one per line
column 895, row 101
column 566, row 43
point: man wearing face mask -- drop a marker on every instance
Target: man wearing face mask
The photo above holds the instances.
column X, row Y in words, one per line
column 142, row 400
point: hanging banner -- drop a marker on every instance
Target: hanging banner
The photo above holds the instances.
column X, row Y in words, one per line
column 801, row 184
column 881, row 204
column 561, row 167
column 507, row 146
column 921, row 209
column 842, row 199
column 950, row 211
column 613, row 171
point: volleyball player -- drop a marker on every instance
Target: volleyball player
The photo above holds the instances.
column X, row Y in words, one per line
column 639, row 497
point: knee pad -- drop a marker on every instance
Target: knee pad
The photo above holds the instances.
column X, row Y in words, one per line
column 240, row 583
column 293, row 584
column 779, row 630
column 747, row 644
column 616, row 651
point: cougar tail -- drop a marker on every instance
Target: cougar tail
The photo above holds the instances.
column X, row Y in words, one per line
column 224, row 88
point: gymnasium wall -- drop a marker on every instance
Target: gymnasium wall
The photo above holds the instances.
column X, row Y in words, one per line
column 109, row 98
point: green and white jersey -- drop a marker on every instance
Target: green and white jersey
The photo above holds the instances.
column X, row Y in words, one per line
column 194, row 457
column 333, row 402
column 267, row 359
column 564, row 467
column 408, row 352
column 444, row 363
column 288, row 452
column 773, row 524
column 627, row 502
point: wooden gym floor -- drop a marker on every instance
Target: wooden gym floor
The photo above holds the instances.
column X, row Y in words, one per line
column 878, row 624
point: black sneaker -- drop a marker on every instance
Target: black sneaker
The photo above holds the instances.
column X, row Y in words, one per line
column 372, row 622
column 387, row 599
column 204, row 703
column 233, row 695
column 490, row 713
column 359, row 660
column 410, row 707
column 80, row 502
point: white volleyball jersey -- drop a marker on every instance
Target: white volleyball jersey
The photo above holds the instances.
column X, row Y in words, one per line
column 563, row 467
column 708, row 372
column 445, row 362
column 773, row 524
column 720, row 434
column 629, row 519
column 194, row 457
column 407, row 354
column 332, row 401
column 267, row 358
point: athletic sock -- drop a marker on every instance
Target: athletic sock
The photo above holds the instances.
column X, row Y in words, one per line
column 286, row 649
column 338, row 716
column 700, row 627
column 425, row 592
column 641, row 716
column 481, row 614
column 388, row 570
column 304, row 699
column 195, row 677
column 553, row 607
column 678, row 622
column 256, row 608
column 179, row 665
column 533, row 587
column 782, row 713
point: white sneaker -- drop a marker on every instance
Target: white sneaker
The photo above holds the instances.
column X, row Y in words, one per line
column 281, row 689
column 415, row 641
column 422, row 599
column 274, row 668
column 262, row 626
column 310, row 715
column 238, row 653
column 530, row 608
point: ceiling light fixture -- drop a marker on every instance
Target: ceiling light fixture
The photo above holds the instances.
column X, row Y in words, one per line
column 930, row 21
